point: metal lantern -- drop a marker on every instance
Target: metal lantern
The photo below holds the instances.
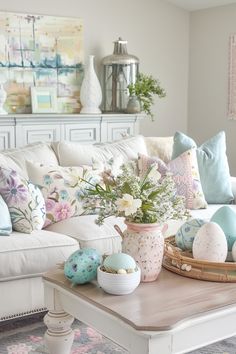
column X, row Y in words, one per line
column 120, row 70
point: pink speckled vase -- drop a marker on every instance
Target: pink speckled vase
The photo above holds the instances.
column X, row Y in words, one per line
column 145, row 243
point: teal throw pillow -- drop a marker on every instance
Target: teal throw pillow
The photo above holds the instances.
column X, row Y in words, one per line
column 5, row 219
column 213, row 166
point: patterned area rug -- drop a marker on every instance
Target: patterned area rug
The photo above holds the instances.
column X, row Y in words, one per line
column 25, row 336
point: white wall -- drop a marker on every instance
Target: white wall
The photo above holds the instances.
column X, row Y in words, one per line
column 208, row 80
column 157, row 33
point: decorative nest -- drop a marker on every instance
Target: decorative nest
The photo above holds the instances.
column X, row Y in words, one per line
column 183, row 263
column 120, row 271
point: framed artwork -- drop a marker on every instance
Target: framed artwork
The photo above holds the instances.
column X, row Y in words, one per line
column 44, row 100
column 37, row 50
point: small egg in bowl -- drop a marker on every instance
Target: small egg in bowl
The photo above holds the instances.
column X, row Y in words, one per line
column 119, row 274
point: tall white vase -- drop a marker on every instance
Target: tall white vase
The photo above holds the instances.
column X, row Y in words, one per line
column 90, row 93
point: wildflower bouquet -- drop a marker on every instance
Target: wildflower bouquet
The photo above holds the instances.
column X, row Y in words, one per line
column 147, row 199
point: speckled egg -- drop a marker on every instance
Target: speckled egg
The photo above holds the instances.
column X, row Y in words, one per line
column 234, row 252
column 117, row 261
column 210, row 243
column 226, row 218
column 186, row 233
column 81, row 266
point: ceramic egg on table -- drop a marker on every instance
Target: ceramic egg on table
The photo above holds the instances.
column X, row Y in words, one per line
column 81, row 266
column 225, row 217
column 119, row 274
column 119, row 262
column 187, row 232
column 210, row 243
column 234, row 252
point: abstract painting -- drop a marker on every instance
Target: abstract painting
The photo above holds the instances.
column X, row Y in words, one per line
column 41, row 51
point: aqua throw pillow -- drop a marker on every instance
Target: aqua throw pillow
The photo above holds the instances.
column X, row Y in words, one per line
column 5, row 219
column 213, row 166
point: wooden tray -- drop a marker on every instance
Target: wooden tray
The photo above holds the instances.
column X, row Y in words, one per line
column 182, row 262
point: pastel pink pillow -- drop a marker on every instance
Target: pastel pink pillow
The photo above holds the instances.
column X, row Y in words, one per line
column 185, row 174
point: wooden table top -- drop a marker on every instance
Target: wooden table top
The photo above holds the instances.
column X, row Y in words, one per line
column 158, row 305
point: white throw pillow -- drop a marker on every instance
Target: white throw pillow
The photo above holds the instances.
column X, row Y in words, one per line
column 75, row 154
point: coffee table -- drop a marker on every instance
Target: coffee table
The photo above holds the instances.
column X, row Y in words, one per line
column 171, row 315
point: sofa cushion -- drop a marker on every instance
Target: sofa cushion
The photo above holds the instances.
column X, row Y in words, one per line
column 104, row 238
column 212, row 163
column 75, row 154
column 24, row 200
column 40, row 152
column 7, row 162
column 161, row 147
column 23, row 255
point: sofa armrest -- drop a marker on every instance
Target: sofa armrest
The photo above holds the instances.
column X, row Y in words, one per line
column 233, row 185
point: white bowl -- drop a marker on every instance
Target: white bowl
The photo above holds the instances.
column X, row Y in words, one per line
column 118, row 284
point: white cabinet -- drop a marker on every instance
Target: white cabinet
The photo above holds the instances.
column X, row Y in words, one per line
column 22, row 129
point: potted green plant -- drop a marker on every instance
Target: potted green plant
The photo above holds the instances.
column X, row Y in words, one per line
column 144, row 89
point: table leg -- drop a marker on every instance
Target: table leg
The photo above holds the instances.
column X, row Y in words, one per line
column 59, row 336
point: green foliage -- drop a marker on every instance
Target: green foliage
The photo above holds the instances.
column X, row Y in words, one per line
column 144, row 89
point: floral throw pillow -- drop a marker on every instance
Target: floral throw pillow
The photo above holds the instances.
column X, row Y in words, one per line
column 184, row 170
column 62, row 188
column 24, row 200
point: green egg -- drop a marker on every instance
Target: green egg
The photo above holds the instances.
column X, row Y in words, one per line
column 81, row 266
column 118, row 261
column 225, row 217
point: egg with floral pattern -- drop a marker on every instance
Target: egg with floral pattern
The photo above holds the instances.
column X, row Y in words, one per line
column 81, row 266
column 185, row 235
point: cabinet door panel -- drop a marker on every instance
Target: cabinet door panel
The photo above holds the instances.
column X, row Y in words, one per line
column 34, row 133
column 82, row 133
column 7, row 137
column 116, row 131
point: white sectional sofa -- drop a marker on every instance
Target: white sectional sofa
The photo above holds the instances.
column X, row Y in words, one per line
column 25, row 257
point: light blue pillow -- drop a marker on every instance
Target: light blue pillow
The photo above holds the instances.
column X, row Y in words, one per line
column 5, row 219
column 213, row 166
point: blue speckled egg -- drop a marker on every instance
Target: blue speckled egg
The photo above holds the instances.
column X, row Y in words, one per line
column 186, row 233
column 118, row 261
column 225, row 217
column 81, row 266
